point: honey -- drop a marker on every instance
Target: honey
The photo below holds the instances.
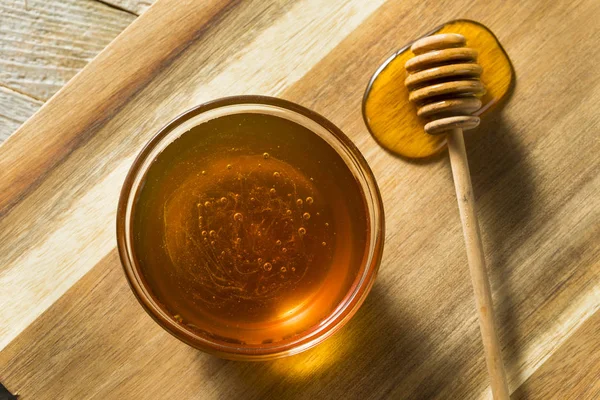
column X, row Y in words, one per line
column 392, row 118
column 249, row 229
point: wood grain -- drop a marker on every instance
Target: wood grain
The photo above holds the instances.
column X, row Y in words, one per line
column 572, row 371
column 43, row 43
column 136, row 7
column 15, row 108
column 72, row 325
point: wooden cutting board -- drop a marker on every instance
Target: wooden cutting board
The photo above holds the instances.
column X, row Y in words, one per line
column 71, row 328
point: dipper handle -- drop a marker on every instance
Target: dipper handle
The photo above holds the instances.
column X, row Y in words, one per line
column 444, row 83
column 477, row 267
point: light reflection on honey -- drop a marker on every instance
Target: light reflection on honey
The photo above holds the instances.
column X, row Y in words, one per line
column 317, row 360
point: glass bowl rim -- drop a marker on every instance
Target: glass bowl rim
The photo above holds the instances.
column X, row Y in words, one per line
column 337, row 318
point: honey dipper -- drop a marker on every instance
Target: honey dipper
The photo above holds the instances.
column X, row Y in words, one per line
column 444, row 83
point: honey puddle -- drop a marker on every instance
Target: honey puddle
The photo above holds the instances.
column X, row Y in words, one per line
column 392, row 118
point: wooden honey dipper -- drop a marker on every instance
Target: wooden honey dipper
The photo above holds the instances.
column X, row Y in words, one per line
column 444, row 83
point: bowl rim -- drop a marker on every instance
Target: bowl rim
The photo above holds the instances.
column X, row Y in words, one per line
column 336, row 319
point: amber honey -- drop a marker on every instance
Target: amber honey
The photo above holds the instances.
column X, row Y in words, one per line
column 249, row 229
column 392, row 118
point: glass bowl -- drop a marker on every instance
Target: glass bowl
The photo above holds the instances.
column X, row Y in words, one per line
column 355, row 163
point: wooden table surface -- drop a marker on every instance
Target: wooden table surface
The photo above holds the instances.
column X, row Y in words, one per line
column 70, row 326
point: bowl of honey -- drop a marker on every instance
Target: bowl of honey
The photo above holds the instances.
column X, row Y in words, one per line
column 250, row 227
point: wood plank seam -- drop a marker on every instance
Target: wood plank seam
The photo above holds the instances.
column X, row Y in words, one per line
column 17, row 91
column 116, row 7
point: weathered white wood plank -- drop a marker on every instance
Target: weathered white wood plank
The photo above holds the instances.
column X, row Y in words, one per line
column 136, row 7
column 15, row 108
column 44, row 43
